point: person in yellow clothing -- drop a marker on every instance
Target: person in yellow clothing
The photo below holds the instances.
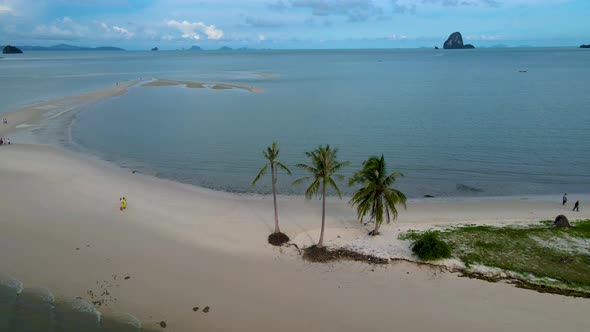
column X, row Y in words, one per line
column 123, row 203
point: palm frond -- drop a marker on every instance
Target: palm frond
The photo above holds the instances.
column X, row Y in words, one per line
column 303, row 179
column 260, row 174
column 279, row 164
column 333, row 184
column 312, row 189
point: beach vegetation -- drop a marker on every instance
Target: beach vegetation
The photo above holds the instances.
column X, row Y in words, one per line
column 428, row 247
column 541, row 256
column 271, row 154
column 323, row 171
column 376, row 198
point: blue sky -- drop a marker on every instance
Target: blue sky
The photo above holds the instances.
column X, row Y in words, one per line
column 174, row 24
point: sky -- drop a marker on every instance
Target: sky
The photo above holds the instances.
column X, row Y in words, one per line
column 293, row 24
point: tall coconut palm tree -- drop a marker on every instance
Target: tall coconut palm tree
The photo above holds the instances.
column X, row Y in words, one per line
column 376, row 197
column 323, row 169
column 271, row 154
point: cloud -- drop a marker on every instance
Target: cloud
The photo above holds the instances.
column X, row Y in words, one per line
column 126, row 33
column 115, row 31
column 190, row 30
column 5, row 9
column 278, row 5
column 397, row 37
column 483, row 37
column 354, row 10
column 258, row 22
column 410, row 6
column 261, row 37
column 63, row 28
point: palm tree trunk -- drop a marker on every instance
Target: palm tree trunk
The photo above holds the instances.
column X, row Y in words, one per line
column 274, row 198
column 321, row 242
column 376, row 230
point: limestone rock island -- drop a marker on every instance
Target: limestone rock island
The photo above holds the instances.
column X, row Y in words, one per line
column 455, row 42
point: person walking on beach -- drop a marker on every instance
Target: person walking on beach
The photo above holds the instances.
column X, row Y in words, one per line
column 123, row 203
column 576, row 206
column 564, row 199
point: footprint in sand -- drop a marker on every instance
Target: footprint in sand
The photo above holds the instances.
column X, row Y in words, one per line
column 195, row 309
column 163, row 324
column 206, row 309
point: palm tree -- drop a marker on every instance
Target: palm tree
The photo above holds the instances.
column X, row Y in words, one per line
column 376, row 197
column 271, row 154
column 323, row 168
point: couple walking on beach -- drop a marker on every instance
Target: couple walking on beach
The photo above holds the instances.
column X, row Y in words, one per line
column 576, row 205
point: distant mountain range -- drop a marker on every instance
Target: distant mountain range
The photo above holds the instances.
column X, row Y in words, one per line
column 66, row 47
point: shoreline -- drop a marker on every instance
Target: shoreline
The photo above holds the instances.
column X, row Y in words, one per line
column 185, row 246
column 31, row 116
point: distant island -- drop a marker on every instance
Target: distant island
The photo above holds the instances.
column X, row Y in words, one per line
column 8, row 49
column 195, row 48
column 66, row 47
column 155, row 49
column 585, row 46
column 225, row 48
column 455, row 42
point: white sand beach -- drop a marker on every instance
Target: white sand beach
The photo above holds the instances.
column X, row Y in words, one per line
column 186, row 247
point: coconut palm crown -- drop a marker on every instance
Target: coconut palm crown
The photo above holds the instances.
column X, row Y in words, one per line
column 323, row 169
column 271, row 154
column 376, row 197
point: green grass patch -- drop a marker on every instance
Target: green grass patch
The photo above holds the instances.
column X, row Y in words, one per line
column 541, row 253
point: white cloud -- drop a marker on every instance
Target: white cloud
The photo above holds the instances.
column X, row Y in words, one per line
column 483, row 37
column 397, row 37
column 62, row 28
column 115, row 31
column 126, row 33
column 261, row 37
column 5, row 9
column 411, row 5
column 191, row 30
column 55, row 31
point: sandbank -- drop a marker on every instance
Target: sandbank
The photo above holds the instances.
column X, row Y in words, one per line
column 33, row 114
column 201, row 85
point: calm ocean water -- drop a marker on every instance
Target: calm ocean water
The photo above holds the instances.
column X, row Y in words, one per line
column 456, row 123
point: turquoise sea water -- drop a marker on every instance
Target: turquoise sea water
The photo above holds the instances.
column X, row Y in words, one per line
column 456, row 123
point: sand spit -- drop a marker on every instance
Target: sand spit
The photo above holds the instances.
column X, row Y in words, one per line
column 33, row 115
column 202, row 85
column 267, row 75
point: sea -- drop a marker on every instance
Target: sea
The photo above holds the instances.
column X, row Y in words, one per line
column 455, row 123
